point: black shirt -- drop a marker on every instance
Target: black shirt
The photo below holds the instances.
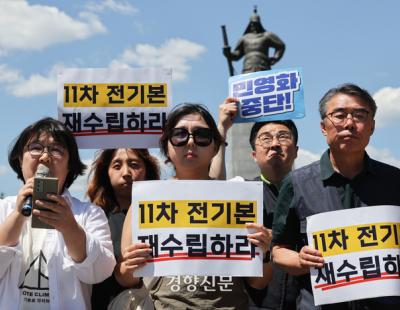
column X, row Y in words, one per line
column 377, row 184
column 318, row 188
column 282, row 291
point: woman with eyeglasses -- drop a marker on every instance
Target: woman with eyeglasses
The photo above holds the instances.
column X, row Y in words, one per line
column 110, row 187
column 190, row 141
column 50, row 268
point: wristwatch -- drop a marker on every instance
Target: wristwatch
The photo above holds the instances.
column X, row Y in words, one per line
column 267, row 257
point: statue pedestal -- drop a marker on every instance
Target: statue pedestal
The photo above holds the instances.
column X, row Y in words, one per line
column 239, row 161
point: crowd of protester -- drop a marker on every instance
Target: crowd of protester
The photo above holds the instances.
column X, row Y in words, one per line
column 88, row 260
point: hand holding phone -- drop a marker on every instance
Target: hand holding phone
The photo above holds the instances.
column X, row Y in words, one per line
column 41, row 187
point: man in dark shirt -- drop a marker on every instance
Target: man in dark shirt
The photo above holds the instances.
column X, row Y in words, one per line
column 345, row 177
column 274, row 149
column 274, row 145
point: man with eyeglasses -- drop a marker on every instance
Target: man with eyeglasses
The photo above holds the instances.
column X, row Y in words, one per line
column 274, row 149
column 344, row 177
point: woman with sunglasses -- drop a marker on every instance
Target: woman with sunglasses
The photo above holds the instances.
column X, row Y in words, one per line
column 190, row 141
column 50, row 268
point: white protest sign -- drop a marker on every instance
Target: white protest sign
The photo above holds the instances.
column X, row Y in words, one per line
column 361, row 251
column 197, row 227
column 112, row 108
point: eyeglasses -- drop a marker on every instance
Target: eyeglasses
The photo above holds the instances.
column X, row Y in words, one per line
column 37, row 149
column 340, row 117
column 283, row 137
column 201, row 136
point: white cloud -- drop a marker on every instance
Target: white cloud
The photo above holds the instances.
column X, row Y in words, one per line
column 3, row 170
column 8, row 75
column 388, row 102
column 112, row 5
column 26, row 27
column 384, row 155
column 305, row 157
column 174, row 53
column 36, row 84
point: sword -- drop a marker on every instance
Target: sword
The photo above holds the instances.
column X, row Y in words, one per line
column 226, row 45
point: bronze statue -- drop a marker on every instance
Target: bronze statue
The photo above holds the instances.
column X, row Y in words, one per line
column 254, row 46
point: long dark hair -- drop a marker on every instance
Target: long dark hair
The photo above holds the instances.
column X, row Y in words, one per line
column 100, row 191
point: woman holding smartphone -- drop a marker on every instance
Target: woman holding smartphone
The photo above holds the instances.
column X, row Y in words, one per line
column 51, row 268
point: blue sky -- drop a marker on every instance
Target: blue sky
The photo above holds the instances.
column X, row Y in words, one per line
column 333, row 41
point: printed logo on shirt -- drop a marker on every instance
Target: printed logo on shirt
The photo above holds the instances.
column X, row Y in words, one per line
column 35, row 286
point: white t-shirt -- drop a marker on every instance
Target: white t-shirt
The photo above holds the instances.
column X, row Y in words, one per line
column 69, row 282
column 34, row 275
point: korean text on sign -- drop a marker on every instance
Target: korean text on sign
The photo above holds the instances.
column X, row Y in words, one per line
column 104, row 108
column 360, row 260
column 268, row 95
column 200, row 230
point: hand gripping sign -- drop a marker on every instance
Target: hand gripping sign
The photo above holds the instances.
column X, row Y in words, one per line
column 197, row 227
column 361, row 250
column 268, row 95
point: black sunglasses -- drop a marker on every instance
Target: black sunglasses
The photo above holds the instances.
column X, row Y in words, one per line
column 201, row 136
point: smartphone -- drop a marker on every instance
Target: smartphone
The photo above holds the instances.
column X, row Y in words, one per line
column 41, row 187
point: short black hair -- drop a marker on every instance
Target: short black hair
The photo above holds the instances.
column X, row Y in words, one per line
column 185, row 109
column 60, row 134
column 257, row 126
column 350, row 90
